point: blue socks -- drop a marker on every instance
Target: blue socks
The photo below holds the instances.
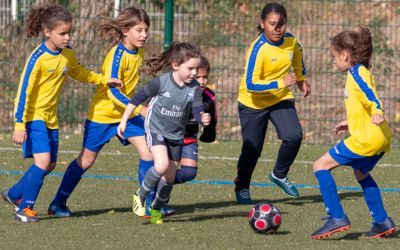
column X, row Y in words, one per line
column 329, row 193
column 373, row 199
column 16, row 192
column 33, row 182
column 71, row 178
column 142, row 170
column 185, row 174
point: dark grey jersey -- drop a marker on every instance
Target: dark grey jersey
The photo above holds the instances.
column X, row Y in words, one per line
column 170, row 105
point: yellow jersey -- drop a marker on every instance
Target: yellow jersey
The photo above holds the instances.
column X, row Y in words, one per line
column 108, row 104
column 267, row 64
column 361, row 101
column 41, row 81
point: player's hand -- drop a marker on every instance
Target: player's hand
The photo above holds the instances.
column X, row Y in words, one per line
column 143, row 111
column 121, row 129
column 205, row 118
column 115, row 82
column 290, row 79
column 377, row 119
column 341, row 128
column 304, row 87
column 19, row 137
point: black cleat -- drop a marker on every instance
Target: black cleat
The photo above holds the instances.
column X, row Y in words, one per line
column 333, row 225
column 381, row 229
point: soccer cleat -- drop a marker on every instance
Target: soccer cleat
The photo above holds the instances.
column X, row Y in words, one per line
column 165, row 211
column 139, row 206
column 27, row 215
column 155, row 216
column 59, row 210
column 286, row 186
column 381, row 229
column 243, row 196
column 333, row 225
column 14, row 203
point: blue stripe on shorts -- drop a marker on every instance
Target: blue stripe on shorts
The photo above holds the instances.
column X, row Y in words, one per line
column 346, row 157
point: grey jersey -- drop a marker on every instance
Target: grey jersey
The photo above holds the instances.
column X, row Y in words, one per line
column 170, row 105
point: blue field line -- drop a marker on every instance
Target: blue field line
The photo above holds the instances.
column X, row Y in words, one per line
column 207, row 182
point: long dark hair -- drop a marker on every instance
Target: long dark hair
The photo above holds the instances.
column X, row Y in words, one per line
column 42, row 17
column 178, row 52
column 357, row 43
column 273, row 8
column 112, row 28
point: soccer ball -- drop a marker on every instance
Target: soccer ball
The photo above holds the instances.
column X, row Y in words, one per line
column 265, row 218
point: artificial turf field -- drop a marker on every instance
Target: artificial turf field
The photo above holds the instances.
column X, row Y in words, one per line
column 207, row 216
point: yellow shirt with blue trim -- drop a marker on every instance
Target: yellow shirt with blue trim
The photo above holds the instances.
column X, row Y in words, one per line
column 41, row 81
column 267, row 64
column 361, row 101
column 108, row 104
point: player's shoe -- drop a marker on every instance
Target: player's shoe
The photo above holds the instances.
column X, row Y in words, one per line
column 14, row 203
column 155, row 216
column 27, row 215
column 243, row 196
column 165, row 211
column 59, row 210
column 287, row 187
column 381, row 229
column 139, row 206
column 333, row 225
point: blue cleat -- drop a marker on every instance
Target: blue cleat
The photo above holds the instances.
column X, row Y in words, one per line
column 287, row 187
column 59, row 210
column 379, row 230
column 243, row 196
column 333, row 225
column 165, row 212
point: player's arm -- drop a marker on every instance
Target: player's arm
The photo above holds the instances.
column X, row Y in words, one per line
column 25, row 89
column 254, row 79
column 300, row 70
column 209, row 132
column 151, row 89
column 80, row 73
column 198, row 109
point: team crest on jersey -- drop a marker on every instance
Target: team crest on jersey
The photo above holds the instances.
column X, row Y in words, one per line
column 64, row 71
column 190, row 96
column 346, row 93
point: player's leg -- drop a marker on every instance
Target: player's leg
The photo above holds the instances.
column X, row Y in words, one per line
column 284, row 117
column 382, row 224
column 94, row 138
column 337, row 220
column 188, row 168
column 254, row 126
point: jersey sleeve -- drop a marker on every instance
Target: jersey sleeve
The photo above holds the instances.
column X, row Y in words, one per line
column 298, row 62
column 254, row 69
column 209, row 132
column 80, row 73
column 26, row 87
column 366, row 91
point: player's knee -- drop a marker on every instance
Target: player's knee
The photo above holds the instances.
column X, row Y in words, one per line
column 294, row 137
column 185, row 174
column 317, row 166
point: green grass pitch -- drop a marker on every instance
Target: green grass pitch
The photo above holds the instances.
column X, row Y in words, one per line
column 207, row 216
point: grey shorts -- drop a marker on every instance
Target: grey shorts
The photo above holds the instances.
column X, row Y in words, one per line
column 174, row 147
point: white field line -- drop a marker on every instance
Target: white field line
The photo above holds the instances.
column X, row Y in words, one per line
column 220, row 158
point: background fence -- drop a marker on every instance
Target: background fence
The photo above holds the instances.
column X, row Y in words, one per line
column 223, row 29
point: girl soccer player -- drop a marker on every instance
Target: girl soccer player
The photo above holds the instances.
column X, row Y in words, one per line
column 189, row 161
column 174, row 94
column 264, row 96
column 129, row 31
column 36, row 126
column 368, row 141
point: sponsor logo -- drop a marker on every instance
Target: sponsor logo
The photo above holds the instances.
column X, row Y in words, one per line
column 175, row 112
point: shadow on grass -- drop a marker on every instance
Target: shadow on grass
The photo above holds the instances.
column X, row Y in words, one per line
column 87, row 213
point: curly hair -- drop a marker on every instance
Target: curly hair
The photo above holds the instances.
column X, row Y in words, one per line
column 42, row 17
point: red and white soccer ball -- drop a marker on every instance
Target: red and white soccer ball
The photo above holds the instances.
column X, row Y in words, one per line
column 265, row 218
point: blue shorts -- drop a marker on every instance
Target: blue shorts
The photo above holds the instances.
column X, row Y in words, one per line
column 190, row 151
column 40, row 139
column 98, row 134
column 344, row 156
